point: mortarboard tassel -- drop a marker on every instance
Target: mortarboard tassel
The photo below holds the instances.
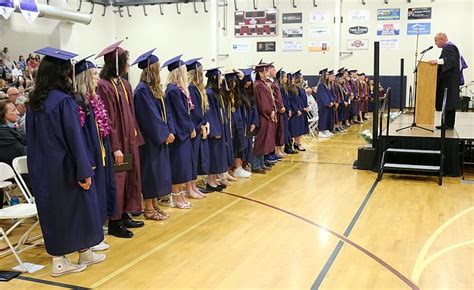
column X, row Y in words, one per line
column 116, row 62
column 73, row 77
column 148, row 78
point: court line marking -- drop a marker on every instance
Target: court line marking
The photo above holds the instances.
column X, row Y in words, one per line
column 316, row 162
column 182, row 233
column 419, row 264
column 342, row 239
column 52, row 283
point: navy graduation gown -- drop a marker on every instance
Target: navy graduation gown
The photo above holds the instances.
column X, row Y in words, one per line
column 70, row 217
column 295, row 123
column 217, row 148
column 323, row 98
column 250, row 118
column 239, row 143
column 286, row 119
column 304, row 116
column 154, row 154
column 104, row 169
column 181, row 150
column 200, row 146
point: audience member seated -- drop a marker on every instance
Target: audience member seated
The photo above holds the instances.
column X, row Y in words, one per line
column 16, row 72
column 12, row 142
column 20, row 106
column 13, row 93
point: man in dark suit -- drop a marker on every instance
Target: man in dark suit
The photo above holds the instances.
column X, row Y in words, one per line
column 449, row 76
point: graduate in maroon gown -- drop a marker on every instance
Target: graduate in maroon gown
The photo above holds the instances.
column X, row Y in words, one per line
column 181, row 150
column 157, row 129
column 363, row 96
column 265, row 140
column 281, row 112
column 125, row 138
column 60, row 169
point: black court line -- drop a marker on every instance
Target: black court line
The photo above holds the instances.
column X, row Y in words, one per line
column 344, row 239
column 316, row 162
column 52, row 283
column 337, row 249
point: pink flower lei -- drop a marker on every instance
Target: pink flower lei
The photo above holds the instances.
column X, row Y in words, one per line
column 82, row 115
column 101, row 115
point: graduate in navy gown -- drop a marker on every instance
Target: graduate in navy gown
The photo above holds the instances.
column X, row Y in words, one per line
column 217, row 148
column 125, row 138
column 156, row 125
column 304, row 124
column 234, row 100
column 96, row 128
column 250, row 116
column 323, row 98
column 181, row 150
column 282, row 78
column 60, row 169
column 201, row 125
column 296, row 120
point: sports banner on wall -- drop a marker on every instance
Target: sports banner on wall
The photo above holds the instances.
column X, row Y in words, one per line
column 388, row 14
column 358, row 30
column 359, row 15
column 292, row 18
column 357, row 44
column 317, row 17
column 419, row 13
column 7, row 7
column 255, row 23
column 419, row 28
column 29, row 10
column 292, row 31
column 389, row 43
column 318, row 46
column 292, row 45
column 318, row 31
column 266, row 46
column 388, row 29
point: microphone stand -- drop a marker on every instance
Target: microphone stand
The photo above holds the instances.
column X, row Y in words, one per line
column 415, row 72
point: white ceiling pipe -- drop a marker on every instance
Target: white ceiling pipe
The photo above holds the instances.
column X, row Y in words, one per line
column 52, row 12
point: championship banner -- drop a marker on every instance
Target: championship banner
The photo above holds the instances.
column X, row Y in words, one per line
column 255, row 23
column 29, row 9
column 7, row 7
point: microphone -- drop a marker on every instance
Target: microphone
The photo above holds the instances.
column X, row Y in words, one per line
column 431, row 47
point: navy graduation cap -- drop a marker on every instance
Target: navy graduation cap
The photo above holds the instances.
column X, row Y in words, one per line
column 297, row 73
column 83, row 65
column 247, row 74
column 193, row 63
column 56, row 53
column 279, row 73
column 232, row 75
column 323, row 71
column 146, row 59
column 213, row 72
column 331, row 72
column 173, row 63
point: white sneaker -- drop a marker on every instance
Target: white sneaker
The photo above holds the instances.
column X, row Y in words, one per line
column 329, row 133
column 88, row 258
column 62, row 266
column 100, row 247
column 241, row 173
column 321, row 134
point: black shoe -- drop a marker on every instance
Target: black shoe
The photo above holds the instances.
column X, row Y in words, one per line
column 117, row 229
column 210, row 188
column 129, row 223
column 204, row 189
column 438, row 127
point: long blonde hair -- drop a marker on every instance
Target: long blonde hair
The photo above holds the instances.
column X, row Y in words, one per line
column 85, row 84
column 153, row 80
column 179, row 76
column 196, row 77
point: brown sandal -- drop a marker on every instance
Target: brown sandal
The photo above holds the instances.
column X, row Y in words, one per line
column 154, row 215
column 160, row 211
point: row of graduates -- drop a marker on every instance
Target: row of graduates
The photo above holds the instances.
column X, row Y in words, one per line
column 82, row 126
column 343, row 99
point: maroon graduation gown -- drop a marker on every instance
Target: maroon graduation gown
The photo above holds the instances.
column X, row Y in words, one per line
column 280, row 125
column 265, row 140
column 125, row 136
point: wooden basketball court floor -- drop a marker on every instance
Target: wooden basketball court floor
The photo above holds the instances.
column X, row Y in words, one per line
column 313, row 222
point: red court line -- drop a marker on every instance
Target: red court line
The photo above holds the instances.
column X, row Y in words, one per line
column 341, row 237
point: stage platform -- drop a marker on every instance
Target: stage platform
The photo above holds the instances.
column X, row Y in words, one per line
column 417, row 138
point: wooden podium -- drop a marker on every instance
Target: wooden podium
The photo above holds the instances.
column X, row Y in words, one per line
column 426, row 93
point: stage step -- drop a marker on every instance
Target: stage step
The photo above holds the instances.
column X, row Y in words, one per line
column 411, row 167
column 413, row 151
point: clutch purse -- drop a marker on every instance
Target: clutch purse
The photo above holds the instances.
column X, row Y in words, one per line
column 126, row 165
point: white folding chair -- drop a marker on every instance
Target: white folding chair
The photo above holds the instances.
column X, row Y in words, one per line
column 19, row 213
column 21, row 167
column 6, row 173
column 313, row 124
